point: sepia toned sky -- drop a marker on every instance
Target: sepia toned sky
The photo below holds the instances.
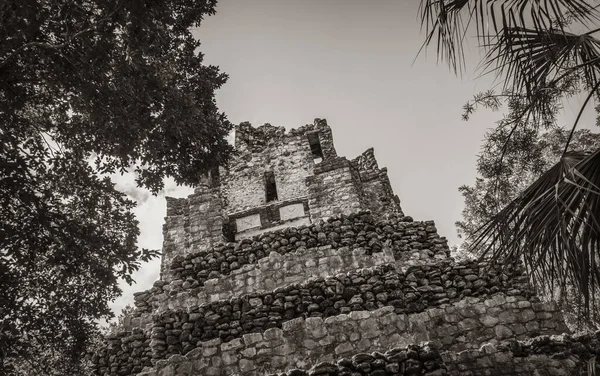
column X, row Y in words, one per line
column 355, row 63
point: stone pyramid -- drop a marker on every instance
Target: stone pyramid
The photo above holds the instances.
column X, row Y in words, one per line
column 296, row 261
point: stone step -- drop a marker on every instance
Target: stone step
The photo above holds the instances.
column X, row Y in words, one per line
column 559, row 355
column 353, row 231
column 269, row 273
column 413, row 290
column 301, row 343
column 409, row 242
column 418, row 289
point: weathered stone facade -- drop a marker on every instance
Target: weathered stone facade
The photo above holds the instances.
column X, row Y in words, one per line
column 309, row 182
column 296, row 261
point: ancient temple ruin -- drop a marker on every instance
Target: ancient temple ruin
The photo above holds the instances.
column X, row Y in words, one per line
column 297, row 261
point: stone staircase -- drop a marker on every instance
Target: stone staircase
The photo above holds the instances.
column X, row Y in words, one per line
column 322, row 306
column 329, row 278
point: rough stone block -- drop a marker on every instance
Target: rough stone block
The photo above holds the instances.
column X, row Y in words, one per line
column 252, row 338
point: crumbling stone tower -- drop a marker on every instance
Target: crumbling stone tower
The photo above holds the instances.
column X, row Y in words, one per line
column 276, row 180
column 295, row 260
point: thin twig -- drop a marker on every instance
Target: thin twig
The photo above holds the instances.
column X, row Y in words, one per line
column 579, row 116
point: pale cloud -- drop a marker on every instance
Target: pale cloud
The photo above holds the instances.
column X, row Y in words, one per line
column 126, row 184
column 150, row 212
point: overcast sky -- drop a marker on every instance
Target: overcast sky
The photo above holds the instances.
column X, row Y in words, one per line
column 351, row 62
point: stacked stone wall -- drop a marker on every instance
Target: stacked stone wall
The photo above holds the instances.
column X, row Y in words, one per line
column 125, row 353
column 556, row 355
column 303, row 342
column 544, row 355
column 267, row 148
column 422, row 360
column 377, row 193
column 255, row 140
column 464, row 319
column 192, row 224
column 333, row 190
column 417, row 289
column 559, row 355
column 410, row 242
column 342, row 186
column 244, row 183
column 354, row 231
column 366, row 161
column 269, row 273
column 376, row 190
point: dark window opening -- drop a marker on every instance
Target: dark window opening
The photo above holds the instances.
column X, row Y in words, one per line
column 315, row 147
column 229, row 231
column 270, row 186
column 214, row 177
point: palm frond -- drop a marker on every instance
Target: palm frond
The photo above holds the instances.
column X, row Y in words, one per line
column 554, row 228
column 538, row 50
column 537, row 61
column 446, row 22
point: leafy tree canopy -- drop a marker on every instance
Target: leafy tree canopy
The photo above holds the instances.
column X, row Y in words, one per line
column 506, row 168
column 89, row 88
column 527, row 155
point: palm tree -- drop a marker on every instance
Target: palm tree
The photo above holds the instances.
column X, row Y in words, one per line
column 543, row 52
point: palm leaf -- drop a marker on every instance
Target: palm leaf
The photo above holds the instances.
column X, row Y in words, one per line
column 554, row 228
column 446, row 22
column 527, row 45
column 533, row 61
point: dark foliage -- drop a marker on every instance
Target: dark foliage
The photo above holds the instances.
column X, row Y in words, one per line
column 88, row 89
column 543, row 52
